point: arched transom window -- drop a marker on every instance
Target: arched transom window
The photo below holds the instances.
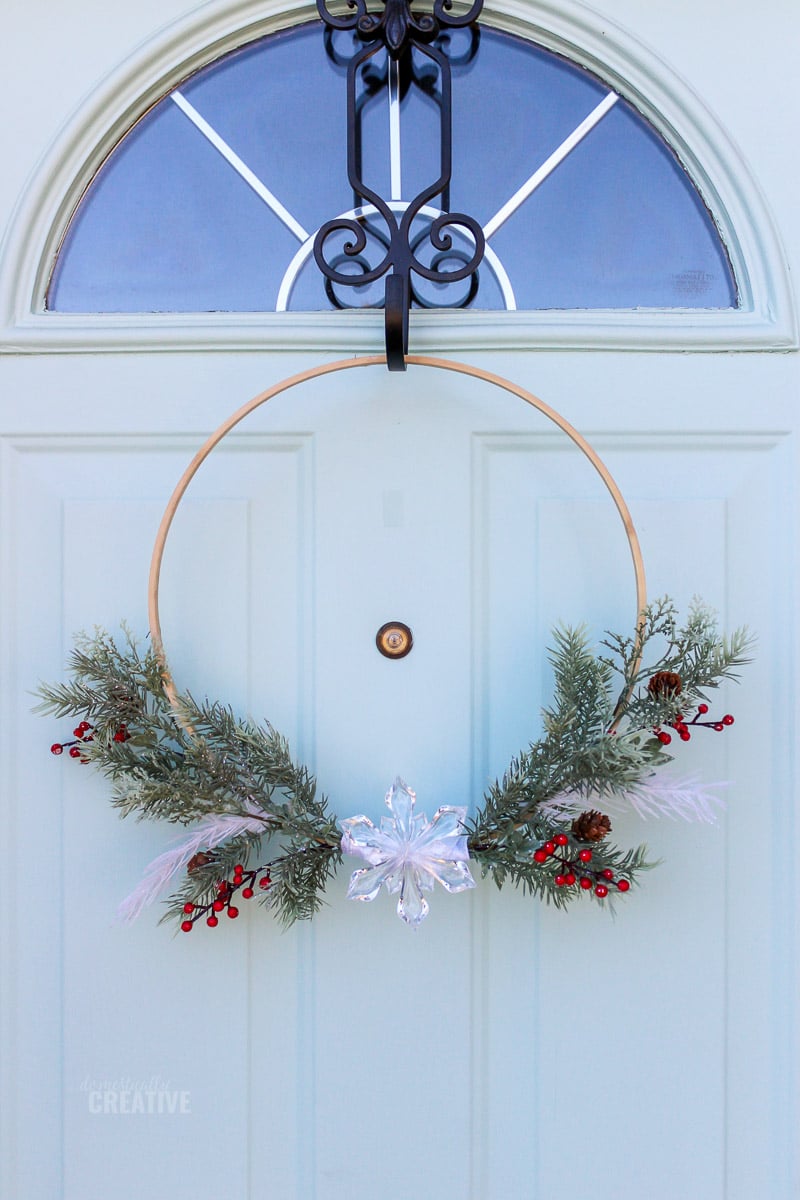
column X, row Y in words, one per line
column 210, row 203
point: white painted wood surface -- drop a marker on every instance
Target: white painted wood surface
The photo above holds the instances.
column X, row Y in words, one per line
column 506, row 1051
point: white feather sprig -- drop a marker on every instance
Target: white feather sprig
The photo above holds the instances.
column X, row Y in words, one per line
column 209, row 833
column 687, row 799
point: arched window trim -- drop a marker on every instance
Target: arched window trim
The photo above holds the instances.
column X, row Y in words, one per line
column 765, row 319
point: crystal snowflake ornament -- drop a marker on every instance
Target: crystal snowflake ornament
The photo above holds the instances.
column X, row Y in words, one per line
column 408, row 853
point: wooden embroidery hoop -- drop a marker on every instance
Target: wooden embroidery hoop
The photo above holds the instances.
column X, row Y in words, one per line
column 375, row 360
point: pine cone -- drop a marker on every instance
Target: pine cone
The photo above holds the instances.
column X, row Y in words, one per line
column 197, row 861
column 591, row 826
column 665, row 683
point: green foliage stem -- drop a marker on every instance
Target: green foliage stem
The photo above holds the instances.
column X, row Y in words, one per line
column 597, row 740
column 198, row 760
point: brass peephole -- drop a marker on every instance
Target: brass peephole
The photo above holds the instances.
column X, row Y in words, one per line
column 394, row 639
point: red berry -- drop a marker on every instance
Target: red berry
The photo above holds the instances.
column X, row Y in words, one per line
column 665, row 738
column 719, row 727
column 561, row 839
column 188, row 907
column 186, row 926
column 601, row 890
column 540, row 856
column 56, row 748
column 678, row 716
column 212, row 921
column 247, row 893
column 233, row 912
column 685, row 736
column 218, row 906
column 119, row 736
column 607, row 874
column 550, row 847
column 238, row 869
column 560, row 880
column 264, row 882
column 78, row 732
column 702, row 709
column 569, row 879
column 585, row 855
column 727, row 719
column 586, row 883
column 623, row 885
column 74, row 752
column 222, row 887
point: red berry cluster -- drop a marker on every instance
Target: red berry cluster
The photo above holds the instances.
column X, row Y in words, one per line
column 85, row 733
column 577, row 870
column 683, row 729
column 226, row 890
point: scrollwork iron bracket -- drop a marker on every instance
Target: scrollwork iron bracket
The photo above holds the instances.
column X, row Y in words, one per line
column 400, row 32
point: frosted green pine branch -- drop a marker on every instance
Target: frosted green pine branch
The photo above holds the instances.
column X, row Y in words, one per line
column 184, row 762
column 597, row 741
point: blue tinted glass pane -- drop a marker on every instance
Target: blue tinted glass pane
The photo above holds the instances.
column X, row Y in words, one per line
column 168, row 225
column 618, row 224
column 518, row 103
column 170, row 228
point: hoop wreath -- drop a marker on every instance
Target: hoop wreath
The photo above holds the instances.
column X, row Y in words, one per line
column 541, row 827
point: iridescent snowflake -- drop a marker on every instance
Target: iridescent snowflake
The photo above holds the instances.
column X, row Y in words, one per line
column 408, row 853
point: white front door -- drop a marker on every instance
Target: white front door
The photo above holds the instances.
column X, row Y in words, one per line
column 505, row 1051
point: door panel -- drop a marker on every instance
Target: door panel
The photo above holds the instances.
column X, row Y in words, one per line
column 505, row 1050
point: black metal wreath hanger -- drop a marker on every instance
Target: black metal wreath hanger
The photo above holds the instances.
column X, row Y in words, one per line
column 408, row 40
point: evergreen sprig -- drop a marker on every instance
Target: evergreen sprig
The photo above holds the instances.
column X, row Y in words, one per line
column 597, row 742
column 187, row 761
